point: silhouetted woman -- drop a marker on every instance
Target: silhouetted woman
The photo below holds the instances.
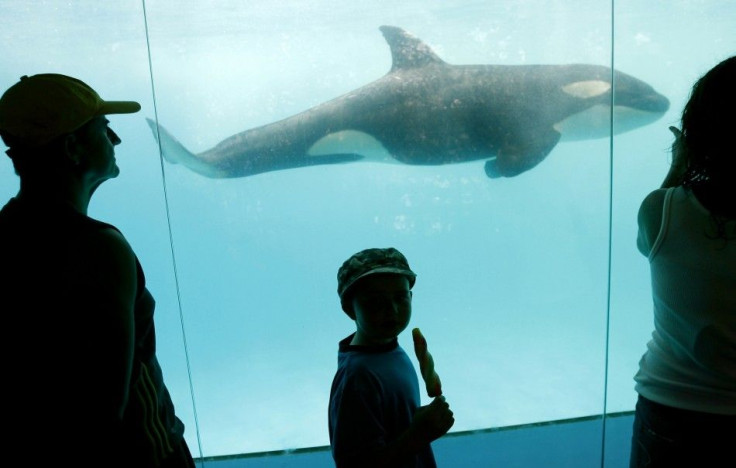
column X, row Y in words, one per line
column 686, row 411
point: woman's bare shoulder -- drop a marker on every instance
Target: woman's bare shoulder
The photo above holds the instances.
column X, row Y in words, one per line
column 650, row 219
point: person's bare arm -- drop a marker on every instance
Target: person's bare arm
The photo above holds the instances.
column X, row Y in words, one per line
column 650, row 220
column 107, row 278
column 650, row 211
column 678, row 167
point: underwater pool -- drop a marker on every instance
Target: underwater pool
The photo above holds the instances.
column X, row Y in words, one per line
column 530, row 291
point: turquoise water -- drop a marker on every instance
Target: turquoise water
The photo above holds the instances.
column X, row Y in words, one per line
column 527, row 317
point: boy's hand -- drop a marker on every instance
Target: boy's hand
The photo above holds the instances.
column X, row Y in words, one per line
column 429, row 423
column 433, row 421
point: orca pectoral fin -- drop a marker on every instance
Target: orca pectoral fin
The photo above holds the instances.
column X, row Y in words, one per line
column 519, row 156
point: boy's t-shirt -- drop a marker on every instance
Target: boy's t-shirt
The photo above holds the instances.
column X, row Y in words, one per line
column 374, row 395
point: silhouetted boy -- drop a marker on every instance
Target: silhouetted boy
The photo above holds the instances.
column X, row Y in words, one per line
column 374, row 415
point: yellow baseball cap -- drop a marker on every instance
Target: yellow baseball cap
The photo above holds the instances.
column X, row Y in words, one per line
column 41, row 107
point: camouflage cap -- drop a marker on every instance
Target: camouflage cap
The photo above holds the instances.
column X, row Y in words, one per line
column 372, row 261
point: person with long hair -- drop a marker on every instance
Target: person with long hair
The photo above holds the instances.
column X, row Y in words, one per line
column 686, row 383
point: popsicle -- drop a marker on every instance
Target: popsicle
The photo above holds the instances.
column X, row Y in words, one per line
column 426, row 364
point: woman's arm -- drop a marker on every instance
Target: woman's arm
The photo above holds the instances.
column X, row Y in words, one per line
column 106, row 278
column 678, row 168
column 650, row 212
column 650, row 220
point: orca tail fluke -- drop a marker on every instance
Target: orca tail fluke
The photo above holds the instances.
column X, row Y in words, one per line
column 175, row 153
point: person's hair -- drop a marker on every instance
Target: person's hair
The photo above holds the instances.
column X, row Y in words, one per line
column 708, row 124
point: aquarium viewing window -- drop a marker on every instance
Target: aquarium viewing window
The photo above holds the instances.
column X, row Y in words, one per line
column 530, row 290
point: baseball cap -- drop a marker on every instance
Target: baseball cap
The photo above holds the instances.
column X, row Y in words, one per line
column 41, row 107
column 372, row 261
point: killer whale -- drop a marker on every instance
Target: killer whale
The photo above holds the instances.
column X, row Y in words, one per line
column 425, row 111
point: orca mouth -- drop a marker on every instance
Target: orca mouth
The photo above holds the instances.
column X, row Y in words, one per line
column 658, row 104
column 595, row 122
column 654, row 103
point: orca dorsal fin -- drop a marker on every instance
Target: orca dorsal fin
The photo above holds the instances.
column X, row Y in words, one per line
column 407, row 50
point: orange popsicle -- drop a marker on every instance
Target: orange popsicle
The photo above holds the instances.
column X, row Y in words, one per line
column 426, row 364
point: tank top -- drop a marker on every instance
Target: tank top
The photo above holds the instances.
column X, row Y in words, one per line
column 690, row 361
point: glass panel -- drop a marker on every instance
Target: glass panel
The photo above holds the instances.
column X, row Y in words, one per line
column 512, row 285
column 670, row 44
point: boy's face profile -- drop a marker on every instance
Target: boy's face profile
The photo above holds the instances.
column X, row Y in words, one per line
column 381, row 306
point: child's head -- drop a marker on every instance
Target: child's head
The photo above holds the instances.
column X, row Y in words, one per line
column 374, row 286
